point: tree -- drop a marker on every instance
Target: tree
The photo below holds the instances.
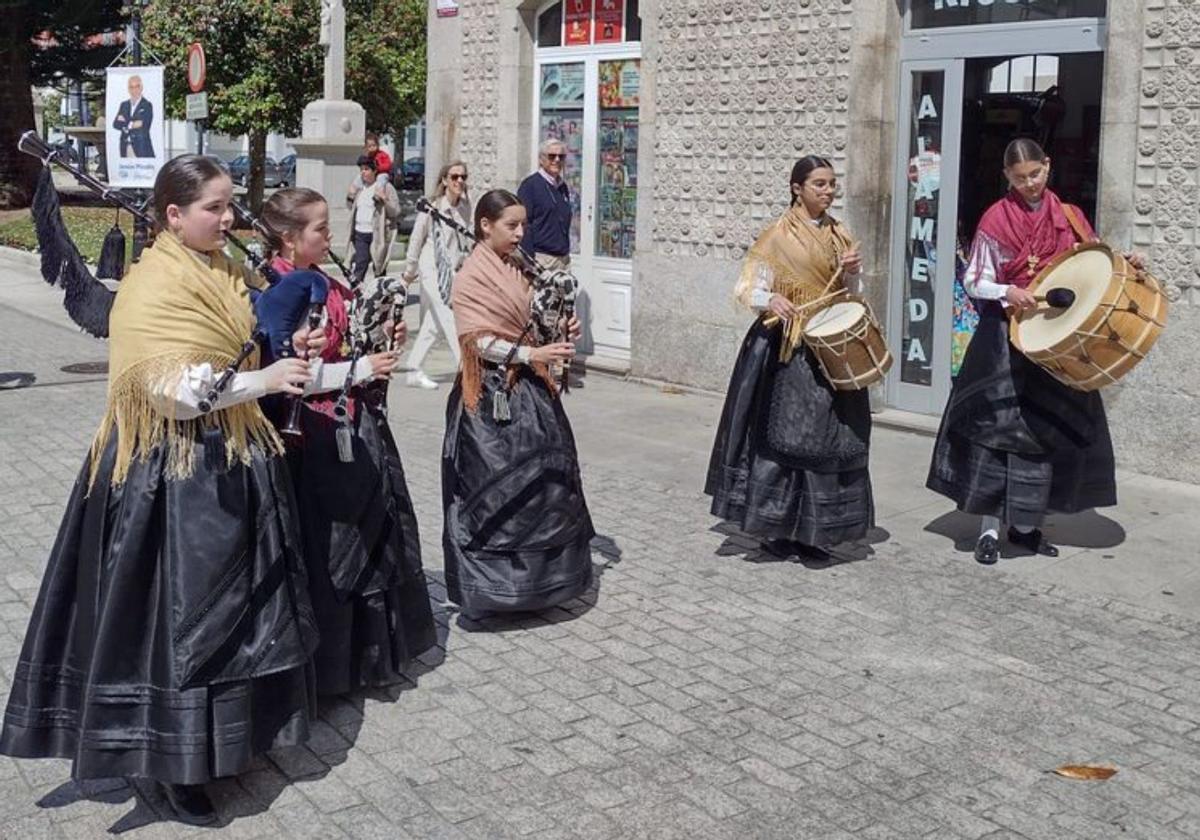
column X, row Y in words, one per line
column 385, row 64
column 263, row 60
column 42, row 43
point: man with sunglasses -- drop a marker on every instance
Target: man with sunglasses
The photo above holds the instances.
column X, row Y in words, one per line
column 547, row 200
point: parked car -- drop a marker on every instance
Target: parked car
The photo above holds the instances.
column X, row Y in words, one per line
column 411, row 174
column 239, row 170
column 287, row 171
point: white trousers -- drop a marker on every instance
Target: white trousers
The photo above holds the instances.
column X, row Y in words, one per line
column 438, row 319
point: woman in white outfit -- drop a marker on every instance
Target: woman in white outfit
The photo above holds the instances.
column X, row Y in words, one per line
column 450, row 248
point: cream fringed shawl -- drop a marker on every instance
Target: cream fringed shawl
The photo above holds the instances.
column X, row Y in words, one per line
column 172, row 311
column 802, row 259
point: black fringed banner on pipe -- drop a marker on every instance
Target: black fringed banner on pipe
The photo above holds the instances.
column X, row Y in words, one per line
column 87, row 300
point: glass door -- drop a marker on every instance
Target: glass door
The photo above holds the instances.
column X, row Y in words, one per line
column 924, row 239
column 591, row 103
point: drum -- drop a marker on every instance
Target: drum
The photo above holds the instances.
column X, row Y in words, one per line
column 1117, row 315
column 848, row 344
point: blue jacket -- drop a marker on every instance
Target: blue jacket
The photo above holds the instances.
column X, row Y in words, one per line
column 136, row 137
column 549, row 216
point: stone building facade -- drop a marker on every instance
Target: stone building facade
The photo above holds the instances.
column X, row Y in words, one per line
column 711, row 101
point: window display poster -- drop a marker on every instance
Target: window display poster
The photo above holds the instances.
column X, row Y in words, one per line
column 562, row 86
column 610, row 16
column 620, row 83
column 617, row 217
column 578, row 21
column 135, row 142
column 567, row 126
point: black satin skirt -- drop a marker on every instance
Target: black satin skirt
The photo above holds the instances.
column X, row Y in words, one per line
column 517, row 533
column 1015, row 442
column 172, row 633
column 368, row 587
column 790, row 456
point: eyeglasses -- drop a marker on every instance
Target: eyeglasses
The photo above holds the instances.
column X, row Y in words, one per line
column 454, row 176
column 555, row 156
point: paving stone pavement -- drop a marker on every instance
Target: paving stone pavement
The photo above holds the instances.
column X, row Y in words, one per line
column 701, row 690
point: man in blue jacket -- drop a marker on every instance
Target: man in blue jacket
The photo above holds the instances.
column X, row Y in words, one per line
column 133, row 119
column 547, row 200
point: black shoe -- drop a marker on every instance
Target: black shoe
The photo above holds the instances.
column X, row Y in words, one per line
column 812, row 553
column 987, row 550
column 190, row 803
column 779, row 548
column 1032, row 540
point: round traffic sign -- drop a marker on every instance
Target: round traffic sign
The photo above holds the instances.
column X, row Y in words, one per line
column 196, row 67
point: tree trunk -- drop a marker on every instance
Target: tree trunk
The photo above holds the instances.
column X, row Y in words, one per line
column 254, row 182
column 18, row 171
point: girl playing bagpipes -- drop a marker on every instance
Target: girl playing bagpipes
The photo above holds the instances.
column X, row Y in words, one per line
column 517, row 530
column 359, row 528
column 172, row 633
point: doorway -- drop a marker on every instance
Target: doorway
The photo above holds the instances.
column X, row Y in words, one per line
column 588, row 77
column 963, row 96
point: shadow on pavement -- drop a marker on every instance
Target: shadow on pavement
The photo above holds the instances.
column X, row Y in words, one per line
column 750, row 549
column 1088, row 529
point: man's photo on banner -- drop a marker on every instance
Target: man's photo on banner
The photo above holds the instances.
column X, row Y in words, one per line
column 135, row 141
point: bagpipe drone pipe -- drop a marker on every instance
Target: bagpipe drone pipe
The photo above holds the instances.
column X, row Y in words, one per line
column 87, row 300
column 298, row 297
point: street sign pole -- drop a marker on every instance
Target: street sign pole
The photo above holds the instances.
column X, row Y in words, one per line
column 141, row 235
column 197, row 101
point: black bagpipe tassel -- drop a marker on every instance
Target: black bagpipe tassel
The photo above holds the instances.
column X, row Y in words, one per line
column 112, row 254
column 86, row 299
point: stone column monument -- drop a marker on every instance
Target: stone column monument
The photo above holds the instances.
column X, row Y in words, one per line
column 332, row 130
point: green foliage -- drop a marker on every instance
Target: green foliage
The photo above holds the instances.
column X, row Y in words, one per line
column 264, row 63
column 385, row 64
column 52, row 117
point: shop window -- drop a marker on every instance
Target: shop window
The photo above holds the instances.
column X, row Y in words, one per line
column 932, row 13
column 620, row 83
column 1024, row 74
column 560, row 105
column 576, row 23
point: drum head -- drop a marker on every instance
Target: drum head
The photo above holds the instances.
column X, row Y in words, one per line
column 835, row 319
column 1087, row 274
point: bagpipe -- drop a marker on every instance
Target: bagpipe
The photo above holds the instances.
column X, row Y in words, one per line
column 298, row 297
column 87, row 300
column 554, row 290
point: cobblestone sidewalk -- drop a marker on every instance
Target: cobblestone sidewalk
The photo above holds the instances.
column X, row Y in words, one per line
column 702, row 690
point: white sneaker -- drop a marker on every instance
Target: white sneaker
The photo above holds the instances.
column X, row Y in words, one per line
column 418, row 379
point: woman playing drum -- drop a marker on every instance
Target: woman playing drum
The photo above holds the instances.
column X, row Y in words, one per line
column 1014, row 442
column 789, row 464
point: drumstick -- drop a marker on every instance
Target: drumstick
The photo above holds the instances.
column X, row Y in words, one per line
column 1057, row 298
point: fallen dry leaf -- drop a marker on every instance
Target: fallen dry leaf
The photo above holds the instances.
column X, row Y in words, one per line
column 1086, row 772
column 671, row 389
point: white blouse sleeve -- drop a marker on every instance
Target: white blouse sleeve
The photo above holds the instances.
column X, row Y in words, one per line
column 496, row 350
column 760, row 294
column 979, row 280
column 184, row 402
